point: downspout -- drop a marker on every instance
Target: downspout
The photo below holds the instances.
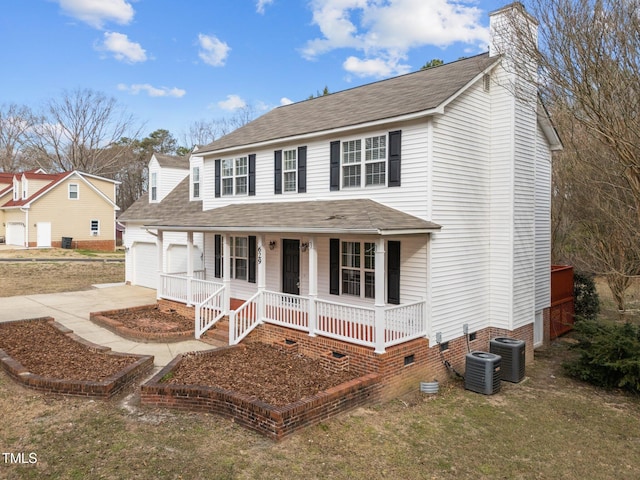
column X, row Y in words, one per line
column 26, row 225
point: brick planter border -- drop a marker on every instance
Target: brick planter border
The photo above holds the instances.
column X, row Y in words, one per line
column 104, row 389
column 271, row 421
column 104, row 320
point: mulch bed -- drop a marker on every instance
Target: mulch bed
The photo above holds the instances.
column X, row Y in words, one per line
column 146, row 323
column 44, row 350
column 258, row 370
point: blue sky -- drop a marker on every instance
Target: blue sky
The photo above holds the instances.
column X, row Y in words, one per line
column 173, row 62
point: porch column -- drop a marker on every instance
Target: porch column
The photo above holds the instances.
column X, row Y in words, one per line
column 160, row 253
column 189, row 268
column 226, row 271
column 380, row 259
column 313, row 286
column 262, row 275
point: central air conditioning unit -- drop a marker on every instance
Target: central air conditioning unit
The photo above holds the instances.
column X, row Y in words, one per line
column 512, row 352
column 483, row 373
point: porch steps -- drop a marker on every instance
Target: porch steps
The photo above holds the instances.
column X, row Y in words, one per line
column 219, row 332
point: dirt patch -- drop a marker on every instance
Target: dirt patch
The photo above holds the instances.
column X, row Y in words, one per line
column 30, row 278
column 44, row 350
column 258, row 370
column 146, row 323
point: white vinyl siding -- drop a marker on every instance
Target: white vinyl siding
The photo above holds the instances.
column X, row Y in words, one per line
column 460, row 252
column 543, row 224
column 166, row 179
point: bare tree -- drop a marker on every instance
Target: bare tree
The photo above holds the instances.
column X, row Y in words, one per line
column 15, row 124
column 203, row 132
column 76, row 131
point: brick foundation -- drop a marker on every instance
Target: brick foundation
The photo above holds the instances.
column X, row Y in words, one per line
column 99, row 389
column 402, row 367
column 274, row 422
column 181, row 308
column 97, row 245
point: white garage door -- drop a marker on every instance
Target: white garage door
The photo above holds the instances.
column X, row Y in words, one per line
column 145, row 265
column 177, row 258
column 15, row 234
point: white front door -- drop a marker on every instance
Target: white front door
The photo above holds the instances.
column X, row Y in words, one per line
column 15, row 234
column 43, row 234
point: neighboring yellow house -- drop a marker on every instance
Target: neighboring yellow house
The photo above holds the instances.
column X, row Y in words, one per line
column 69, row 209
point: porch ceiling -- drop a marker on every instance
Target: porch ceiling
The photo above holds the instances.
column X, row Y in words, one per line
column 358, row 216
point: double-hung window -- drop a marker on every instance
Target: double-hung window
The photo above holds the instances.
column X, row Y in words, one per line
column 235, row 173
column 290, row 170
column 154, row 186
column 357, row 267
column 371, row 161
column 239, row 257
column 73, row 191
column 195, row 182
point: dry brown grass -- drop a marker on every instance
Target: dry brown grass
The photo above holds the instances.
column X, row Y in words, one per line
column 546, row 427
column 28, row 278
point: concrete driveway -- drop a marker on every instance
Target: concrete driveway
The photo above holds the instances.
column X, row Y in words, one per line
column 72, row 310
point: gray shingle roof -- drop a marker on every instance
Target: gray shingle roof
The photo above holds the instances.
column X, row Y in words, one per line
column 172, row 161
column 362, row 216
column 173, row 205
column 412, row 93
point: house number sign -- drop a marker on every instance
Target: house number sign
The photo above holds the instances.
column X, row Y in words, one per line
column 259, row 255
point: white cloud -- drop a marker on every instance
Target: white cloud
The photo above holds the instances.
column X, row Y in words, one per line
column 261, row 4
column 213, row 51
column 152, row 91
column 374, row 67
column 285, row 101
column 233, row 102
column 97, row 12
column 385, row 31
column 122, row 48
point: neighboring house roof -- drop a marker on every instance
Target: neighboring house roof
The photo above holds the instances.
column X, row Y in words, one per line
column 361, row 216
column 175, row 204
column 172, row 161
column 413, row 93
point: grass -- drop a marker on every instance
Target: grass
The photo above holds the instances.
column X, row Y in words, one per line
column 545, row 427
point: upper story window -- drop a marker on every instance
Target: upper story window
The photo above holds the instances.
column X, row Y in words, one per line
column 195, row 182
column 16, row 190
column 366, row 166
column 154, row 186
column 235, row 173
column 74, row 193
column 290, row 170
column 24, row 189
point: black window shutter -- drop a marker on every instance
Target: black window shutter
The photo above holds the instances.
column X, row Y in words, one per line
column 334, row 266
column 334, row 157
column 252, row 259
column 302, row 169
column 252, row 174
column 217, row 171
column 277, row 171
column 395, row 154
column 218, row 256
column 393, row 272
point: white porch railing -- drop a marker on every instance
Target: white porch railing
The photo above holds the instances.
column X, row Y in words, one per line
column 244, row 319
column 349, row 323
column 187, row 290
column 405, row 322
column 209, row 311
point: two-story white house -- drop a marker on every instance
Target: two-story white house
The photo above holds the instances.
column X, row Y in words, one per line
column 411, row 211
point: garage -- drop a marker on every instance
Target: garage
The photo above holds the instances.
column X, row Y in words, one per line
column 145, row 264
column 15, row 234
column 177, row 258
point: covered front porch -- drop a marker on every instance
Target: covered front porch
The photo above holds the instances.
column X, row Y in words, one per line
column 341, row 283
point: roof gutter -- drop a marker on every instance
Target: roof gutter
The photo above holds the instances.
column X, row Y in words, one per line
column 307, row 230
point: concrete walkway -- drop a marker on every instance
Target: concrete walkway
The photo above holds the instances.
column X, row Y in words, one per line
column 72, row 310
